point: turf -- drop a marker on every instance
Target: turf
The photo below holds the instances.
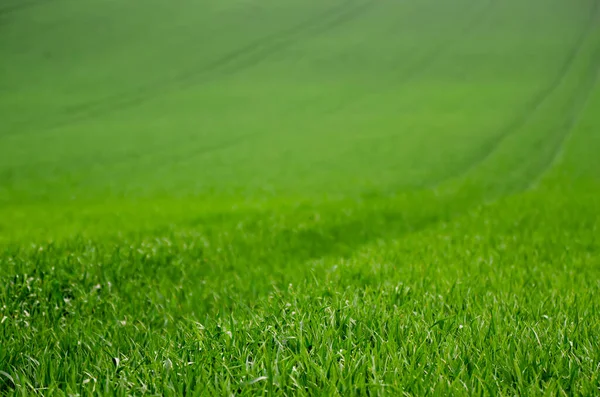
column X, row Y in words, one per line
column 300, row 197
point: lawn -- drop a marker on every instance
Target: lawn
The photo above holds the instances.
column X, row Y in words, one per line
column 299, row 197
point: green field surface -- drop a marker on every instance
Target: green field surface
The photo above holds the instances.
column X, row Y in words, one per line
column 299, row 197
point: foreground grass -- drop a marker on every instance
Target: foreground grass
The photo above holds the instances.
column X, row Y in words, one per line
column 500, row 300
column 430, row 231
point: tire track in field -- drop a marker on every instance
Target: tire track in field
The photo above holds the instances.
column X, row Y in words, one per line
column 21, row 5
column 185, row 157
column 324, row 22
column 265, row 51
column 213, row 148
column 187, row 153
column 531, row 109
column 566, row 130
column 385, row 219
column 376, row 223
column 234, row 56
column 231, row 63
column 388, row 223
column 426, row 62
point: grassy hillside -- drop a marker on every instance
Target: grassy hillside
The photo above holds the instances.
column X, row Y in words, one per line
column 305, row 197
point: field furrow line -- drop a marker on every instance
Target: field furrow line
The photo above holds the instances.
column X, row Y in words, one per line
column 238, row 61
column 531, row 109
column 422, row 64
column 21, row 5
column 182, row 158
column 230, row 63
column 266, row 50
column 231, row 57
column 579, row 106
column 455, row 202
column 191, row 151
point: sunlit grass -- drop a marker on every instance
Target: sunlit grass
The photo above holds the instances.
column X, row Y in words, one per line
column 299, row 198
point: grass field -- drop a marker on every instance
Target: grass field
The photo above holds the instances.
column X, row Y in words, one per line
column 300, row 197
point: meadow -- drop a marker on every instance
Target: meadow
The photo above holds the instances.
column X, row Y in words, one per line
column 299, row 197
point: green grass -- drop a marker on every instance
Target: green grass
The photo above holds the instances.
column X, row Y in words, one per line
column 300, row 197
